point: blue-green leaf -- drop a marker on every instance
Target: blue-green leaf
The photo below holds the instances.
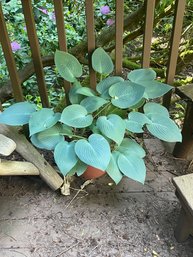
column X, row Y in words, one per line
column 86, row 91
column 129, row 146
column 74, row 97
column 104, row 85
column 76, row 116
column 141, row 75
column 65, row 156
column 113, row 170
column 93, row 103
column 154, row 108
column 94, row 152
column 154, row 89
column 164, row 128
column 68, row 66
column 101, row 61
column 48, row 138
column 42, row 120
column 79, row 168
column 136, row 121
column 112, row 126
column 132, row 166
column 126, row 94
column 17, row 114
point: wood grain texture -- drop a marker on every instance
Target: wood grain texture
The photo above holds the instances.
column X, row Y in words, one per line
column 17, row 168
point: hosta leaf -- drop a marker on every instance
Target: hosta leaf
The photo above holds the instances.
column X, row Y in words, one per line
column 112, row 126
column 154, row 108
column 154, row 89
column 93, row 103
column 132, row 166
column 17, row 114
column 141, row 75
column 104, row 85
column 86, row 91
column 126, row 94
column 113, row 170
column 79, row 168
column 164, row 128
column 129, row 146
column 65, row 156
column 136, row 121
column 101, row 61
column 94, row 152
column 139, row 104
column 68, row 66
column 42, row 120
column 76, row 116
column 48, row 138
column 74, row 97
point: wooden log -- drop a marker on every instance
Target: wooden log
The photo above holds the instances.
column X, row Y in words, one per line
column 7, row 145
column 29, row 153
column 17, row 168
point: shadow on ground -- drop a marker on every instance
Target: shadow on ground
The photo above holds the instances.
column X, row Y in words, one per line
column 130, row 220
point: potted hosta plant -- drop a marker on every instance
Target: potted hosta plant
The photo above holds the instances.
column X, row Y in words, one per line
column 96, row 131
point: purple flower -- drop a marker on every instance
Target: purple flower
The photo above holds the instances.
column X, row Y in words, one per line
column 53, row 16
column 105, row 9
column 44, row 11
column 110, row 22
column 15, row 46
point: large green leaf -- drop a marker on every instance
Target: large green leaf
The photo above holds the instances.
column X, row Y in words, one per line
column 76, row 116
column 68, row 66
column 141, row 75
column 48, row 138
column 154, row 108
column 112, row 126
column 126, row 94
column 94, row 152
column 104, row 85
column 74, row 97
column 93, row 103
column 86, row 91
column 17, row 114
column 164, row 128
column 129, row 146
column 101, row 61
column 136, row 121
column 132, row 166
column 113, row 170
column 65, row 157
column 154, row 89
column 42, row 120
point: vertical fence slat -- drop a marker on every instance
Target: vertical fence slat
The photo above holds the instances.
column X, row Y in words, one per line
column 119, row 36
column 35, row 49
column 4, row 39
column 174, row 47
column 89, row 9
column 148, row 31
column 58, row 7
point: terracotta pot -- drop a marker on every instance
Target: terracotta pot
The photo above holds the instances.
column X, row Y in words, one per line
column 92, row 173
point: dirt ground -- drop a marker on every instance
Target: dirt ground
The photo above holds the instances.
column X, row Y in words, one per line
column 128, row 220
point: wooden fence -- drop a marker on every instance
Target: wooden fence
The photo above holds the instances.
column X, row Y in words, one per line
column 92, row 42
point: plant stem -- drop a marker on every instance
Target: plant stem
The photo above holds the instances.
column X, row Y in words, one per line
column 107, row 105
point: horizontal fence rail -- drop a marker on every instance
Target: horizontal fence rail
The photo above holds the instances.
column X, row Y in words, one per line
column 118, row 27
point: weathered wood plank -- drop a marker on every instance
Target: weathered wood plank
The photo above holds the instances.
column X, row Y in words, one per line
column 7, row 145
column 17, row 168
column 185, row 92
column 29, row 153
column 184, row 186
